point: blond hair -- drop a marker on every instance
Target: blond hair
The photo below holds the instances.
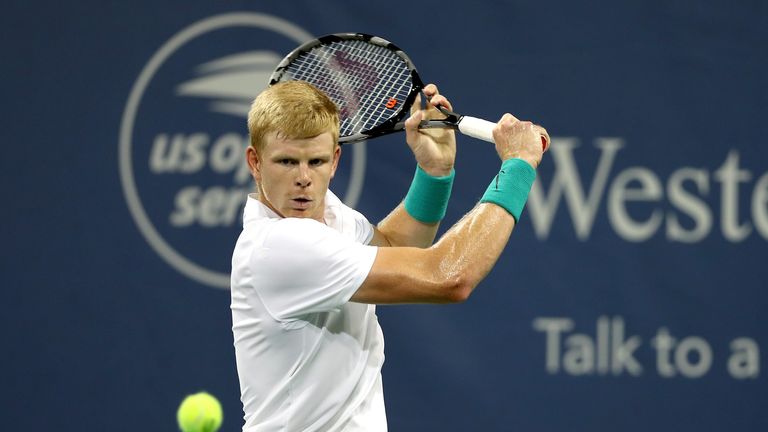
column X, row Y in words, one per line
column 293, row 109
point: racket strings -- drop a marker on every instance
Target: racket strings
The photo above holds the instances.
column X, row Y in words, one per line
column 360, row 79
column 396, row 84
column 372, row 110
column 366, row 81
column 396, row 77
column 357, row 74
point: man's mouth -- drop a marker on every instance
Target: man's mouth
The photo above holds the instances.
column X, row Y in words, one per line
column 301, row 203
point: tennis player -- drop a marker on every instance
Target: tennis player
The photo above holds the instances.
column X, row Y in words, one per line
column 307, row 271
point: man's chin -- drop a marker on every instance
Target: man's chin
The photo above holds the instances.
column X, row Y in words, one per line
column 301, row 213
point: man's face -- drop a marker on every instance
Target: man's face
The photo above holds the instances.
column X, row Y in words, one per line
column 293, row 174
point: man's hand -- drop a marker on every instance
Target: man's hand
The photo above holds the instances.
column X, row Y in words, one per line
column 520, row 139
column 434, row 149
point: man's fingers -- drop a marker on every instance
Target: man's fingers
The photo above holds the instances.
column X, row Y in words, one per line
column 503, row 127
column 440, row 100
column 416, row 104
column 507, row 120
column 435, row 99
column 430, row 90
column 412, row 122
column 545, row 140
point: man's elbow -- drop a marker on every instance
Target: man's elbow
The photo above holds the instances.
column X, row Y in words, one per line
column 458, row 289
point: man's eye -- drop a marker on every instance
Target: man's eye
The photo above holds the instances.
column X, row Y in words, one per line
column 316, row 162
column 287, row 161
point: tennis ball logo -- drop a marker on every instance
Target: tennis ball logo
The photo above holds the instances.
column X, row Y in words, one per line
column 183, row 138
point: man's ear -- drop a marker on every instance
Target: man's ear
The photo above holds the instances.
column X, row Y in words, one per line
column 336, row 157
column 254, row 163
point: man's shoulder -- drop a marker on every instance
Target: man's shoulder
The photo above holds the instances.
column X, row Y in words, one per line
column 296, row 232
column 334, row 203
column 341, row 211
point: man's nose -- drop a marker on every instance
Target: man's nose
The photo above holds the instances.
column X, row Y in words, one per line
column 302, row 177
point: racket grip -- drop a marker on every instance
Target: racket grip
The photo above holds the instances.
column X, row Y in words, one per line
column 483, row 130
column 477, row 128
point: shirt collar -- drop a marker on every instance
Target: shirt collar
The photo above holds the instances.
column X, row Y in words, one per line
column 255, row 209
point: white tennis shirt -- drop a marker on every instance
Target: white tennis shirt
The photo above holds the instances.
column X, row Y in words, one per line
column 307, row 358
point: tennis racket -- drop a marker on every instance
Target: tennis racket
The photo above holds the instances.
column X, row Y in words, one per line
column 373, row 83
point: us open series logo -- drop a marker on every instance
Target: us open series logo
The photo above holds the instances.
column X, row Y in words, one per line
column 183, row 138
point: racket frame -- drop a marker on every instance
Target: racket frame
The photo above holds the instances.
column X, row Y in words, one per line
column 394, row 123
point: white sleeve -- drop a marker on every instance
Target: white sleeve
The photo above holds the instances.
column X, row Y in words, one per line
column 363, row 228
column 306, row 267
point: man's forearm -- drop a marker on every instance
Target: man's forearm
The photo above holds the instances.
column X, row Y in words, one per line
column 470, row 248
column 415, row 221
column 447, row 272
column 400, row 229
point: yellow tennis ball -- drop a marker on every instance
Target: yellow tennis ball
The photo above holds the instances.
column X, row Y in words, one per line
column 199, row 412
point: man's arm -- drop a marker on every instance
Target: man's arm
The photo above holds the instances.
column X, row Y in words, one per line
column 451, row 269
column 401, row 229
column 435, row 153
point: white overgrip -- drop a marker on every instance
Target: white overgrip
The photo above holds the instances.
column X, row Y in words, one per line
column 477, row 128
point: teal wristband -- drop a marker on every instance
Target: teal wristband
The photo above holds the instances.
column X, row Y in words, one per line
column 427, row 199
column 510, row 188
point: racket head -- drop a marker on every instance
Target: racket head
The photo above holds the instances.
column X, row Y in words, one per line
column 371, row 81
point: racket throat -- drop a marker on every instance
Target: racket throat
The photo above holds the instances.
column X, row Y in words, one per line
column 447, row 123
column 451, row 120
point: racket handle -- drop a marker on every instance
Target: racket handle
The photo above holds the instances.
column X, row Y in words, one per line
column 477, row 128
column 483, row 130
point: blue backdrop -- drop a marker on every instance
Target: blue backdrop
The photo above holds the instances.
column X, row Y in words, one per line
column 630, row 297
